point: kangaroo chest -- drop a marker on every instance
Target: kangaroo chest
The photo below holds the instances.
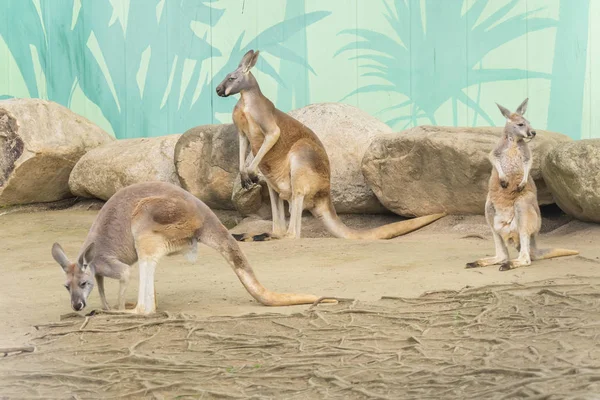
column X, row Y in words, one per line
column 274, row 168
column 512, row 161
column 248, row 127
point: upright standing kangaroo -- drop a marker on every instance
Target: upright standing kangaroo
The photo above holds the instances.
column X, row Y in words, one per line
column 511, row 209
column 293, row 161
column 146, row 221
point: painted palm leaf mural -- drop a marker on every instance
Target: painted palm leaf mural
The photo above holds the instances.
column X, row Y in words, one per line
column 436, row 53
column 140, row 61
column 150, row 67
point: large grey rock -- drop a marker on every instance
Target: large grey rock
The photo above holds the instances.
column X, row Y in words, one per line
column 106, row 169
column 206, row 159
column 429, row 169
column 253, row 201
column 572, row 172
column 346, row 132
column 40, row 142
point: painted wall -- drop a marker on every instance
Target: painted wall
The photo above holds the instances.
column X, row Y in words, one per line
column 150, row 67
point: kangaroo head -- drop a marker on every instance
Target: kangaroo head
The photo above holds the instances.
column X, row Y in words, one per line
column 241, row 78
column 80, row 277
column 517, row 126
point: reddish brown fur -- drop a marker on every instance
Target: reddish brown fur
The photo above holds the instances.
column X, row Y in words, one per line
column 293, row 161
column 511, row 210
column 150, row 220
column 72, row 273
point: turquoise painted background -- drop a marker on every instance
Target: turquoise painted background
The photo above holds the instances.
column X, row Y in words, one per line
column 150, row 67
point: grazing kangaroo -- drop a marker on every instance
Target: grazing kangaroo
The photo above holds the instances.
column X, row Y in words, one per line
column 511, row 208
column 293, row 161
column 146, row 221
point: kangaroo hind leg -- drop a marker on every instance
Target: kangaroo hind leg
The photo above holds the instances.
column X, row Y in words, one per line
column 278, row 212
column 150, row 248
column 501, row 249
column 528, row 226
column 309, row 177
column 160, row 226
column 500, row 257
column 296, row 208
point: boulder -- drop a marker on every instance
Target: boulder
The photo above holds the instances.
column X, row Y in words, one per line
column 108, row 168
column 430, row 169
column 253, row 201
column 572, row 172
column 346, row 132
column 206, row 160
column 40, row 143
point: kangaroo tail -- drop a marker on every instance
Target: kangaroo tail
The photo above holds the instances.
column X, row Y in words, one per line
column 544, row 254
column 325, row 211
column 219, row 238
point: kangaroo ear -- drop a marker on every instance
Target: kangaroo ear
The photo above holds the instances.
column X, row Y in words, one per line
column 249, row 60
column 523, row 107
column 60, row 257
column 504, row 111
column 87, row 256
column 246, row 59
column 254, row 59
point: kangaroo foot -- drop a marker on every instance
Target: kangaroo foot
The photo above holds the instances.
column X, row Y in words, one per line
column 474, row 264
column 514, row 264
column 244, row 237
column 128, row 306
column 484, row 262
column 506, row 266
column 142, row 310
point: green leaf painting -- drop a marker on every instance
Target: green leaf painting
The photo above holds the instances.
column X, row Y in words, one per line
column 150, row 67
column 433, row 66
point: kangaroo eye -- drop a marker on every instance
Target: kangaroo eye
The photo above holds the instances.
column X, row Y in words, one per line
column 521, row 124
column 83, row 284
column 66, row 287
column 231, row 78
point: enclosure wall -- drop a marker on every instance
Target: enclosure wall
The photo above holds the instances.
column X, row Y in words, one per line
column 150, row 67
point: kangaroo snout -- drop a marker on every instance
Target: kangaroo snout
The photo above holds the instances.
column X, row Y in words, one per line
column 533, row 133
column 221, row 91
column 78, row 306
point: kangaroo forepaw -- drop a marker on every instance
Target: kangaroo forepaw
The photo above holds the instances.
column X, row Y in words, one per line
column 503, row 183
column 520, row 187
column 246, row 182
column 249, row 179
column 253, row 178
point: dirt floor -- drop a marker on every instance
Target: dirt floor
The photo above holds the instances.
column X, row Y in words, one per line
column 469, row 339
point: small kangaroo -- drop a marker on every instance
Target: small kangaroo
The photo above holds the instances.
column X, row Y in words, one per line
column 293, row 161
column 146, row 221
column 511, row 208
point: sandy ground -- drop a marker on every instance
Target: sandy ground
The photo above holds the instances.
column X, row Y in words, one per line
column 526, row 333
column 427, row 260
column 532, row 341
